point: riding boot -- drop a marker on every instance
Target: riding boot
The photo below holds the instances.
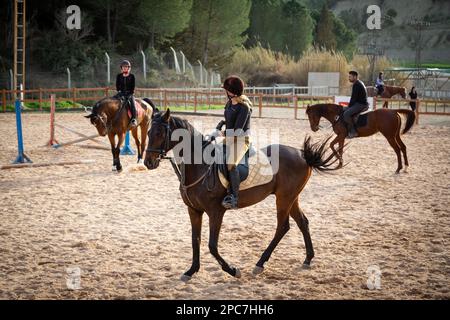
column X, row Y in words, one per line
column 231, row 200
column 351, row 131
column 133, row 120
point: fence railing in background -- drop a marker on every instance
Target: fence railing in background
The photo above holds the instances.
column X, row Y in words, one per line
column 423, row 106
column 212, row 100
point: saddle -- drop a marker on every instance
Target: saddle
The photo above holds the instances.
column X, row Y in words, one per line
column 141, row 106
column 359, row 120
column 255, row 170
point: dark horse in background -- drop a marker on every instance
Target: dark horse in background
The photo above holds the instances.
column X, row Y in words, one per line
column 201, row 195
column 389, row 92
column 386, row 121
column 110, row 117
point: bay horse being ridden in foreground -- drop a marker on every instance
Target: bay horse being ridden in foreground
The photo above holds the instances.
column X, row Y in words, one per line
column 386, row 121
column 389, row 92
column 201, row 195
column 110, row 118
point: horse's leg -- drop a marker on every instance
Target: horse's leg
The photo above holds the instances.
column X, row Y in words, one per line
column 196, row 223
column 117, row 151
column 112, row 141
column 403, row 149
column 396, row 148
column 332, row 144
column 134, row 132
column 283, row 207
column 144, row 131
column 303, row 223
column 341, row 151
column 215, row 223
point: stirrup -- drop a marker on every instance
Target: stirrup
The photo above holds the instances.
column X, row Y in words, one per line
column 230, row 202
column 133, row 122
column 352, row 134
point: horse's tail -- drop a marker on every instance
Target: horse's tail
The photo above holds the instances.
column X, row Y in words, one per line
column 150, row 102
column 314, row 154
column 411, row 117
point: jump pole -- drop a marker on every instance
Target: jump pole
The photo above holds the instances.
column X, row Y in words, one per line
column 127, row 150
column 52, row 142
column 49, row 164
column 21, row 157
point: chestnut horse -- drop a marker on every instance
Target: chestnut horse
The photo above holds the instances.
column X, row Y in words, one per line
column 111, row 118
column 389, row 92
column 386, row 121
column 201, row 191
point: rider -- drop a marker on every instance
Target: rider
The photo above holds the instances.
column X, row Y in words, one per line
column 237, row 114
column 379, row 84
column 125, row 84
column 358, row 103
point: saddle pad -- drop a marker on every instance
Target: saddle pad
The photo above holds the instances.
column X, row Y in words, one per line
column 362, row 120
column 139, row 108
column 260, row 172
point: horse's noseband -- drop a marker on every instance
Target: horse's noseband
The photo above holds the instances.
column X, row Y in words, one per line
column 162, row 151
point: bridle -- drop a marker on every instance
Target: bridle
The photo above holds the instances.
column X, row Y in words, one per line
column 179, row 170
column 162, row 151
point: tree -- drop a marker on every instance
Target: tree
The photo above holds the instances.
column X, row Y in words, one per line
column 298, row 27
column 325, row 37
column 215, row 29
column 345, row 38
column 164, row 19
column 265, row 19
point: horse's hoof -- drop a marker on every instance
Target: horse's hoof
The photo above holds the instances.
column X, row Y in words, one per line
column 185, row 278
column 258, row 270
column 114, row 168
column 119, row 170
column 237, row 273
column 306, row 266
column 139, row 161
column 406, row 169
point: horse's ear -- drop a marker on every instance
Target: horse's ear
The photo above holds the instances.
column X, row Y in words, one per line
column 166, row 116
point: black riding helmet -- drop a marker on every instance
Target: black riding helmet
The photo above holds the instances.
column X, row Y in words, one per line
column 125, row 63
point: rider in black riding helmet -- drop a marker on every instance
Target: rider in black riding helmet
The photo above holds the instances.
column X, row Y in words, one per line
column 125, row 84
column 237, row 114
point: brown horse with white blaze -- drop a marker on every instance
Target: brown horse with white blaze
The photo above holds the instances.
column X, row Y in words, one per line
column 111, row 118
column 386, row 121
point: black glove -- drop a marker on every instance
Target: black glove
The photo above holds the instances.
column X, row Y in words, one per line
column 220, row 125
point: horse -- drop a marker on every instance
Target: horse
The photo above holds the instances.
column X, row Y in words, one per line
column 389, row 92
column 201, row 195
column 386, row 121
column 110, row 118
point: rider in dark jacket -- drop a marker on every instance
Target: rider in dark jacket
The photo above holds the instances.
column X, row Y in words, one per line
column 125, row 84
column 358, row 103
column 237, row 114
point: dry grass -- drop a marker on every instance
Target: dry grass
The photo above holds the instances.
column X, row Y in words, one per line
column 264, row 67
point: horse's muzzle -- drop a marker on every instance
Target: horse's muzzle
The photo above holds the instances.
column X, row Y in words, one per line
column 151, row 163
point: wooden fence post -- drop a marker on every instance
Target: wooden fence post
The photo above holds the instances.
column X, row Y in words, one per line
column 260, row 98
column 4, row 99
column 165, row 100
column 417, row 110
column 74, row 96
column 296, row 107
column 195, row 101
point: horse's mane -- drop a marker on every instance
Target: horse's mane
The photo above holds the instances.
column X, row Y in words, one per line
column 179, row 123
column 98, row 105
column 322, row 106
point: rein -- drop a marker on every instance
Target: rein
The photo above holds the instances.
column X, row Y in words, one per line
column 180, row 170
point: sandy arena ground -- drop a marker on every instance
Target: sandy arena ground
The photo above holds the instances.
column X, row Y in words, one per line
column 129, row 234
